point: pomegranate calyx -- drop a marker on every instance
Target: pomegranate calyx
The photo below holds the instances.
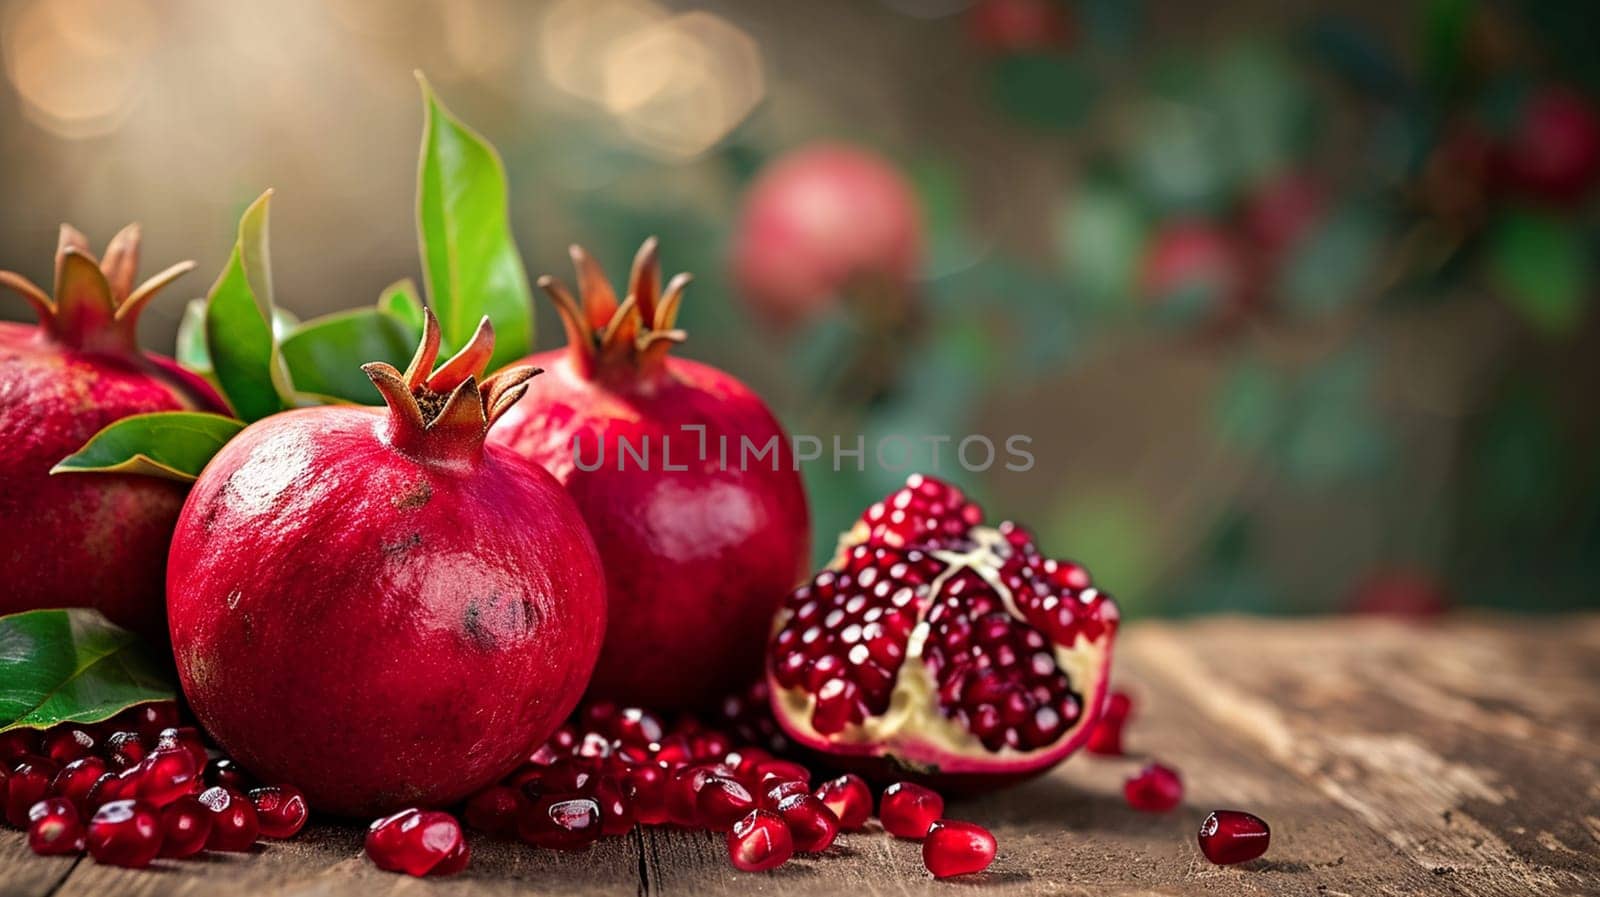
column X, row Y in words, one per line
column 95, row 306
column 445, row 414
column 615, row 340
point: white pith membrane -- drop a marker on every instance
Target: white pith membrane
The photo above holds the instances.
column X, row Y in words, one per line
column 912, row 730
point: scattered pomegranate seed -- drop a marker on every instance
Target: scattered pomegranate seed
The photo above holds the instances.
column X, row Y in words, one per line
column 1233, row 836
column 185, row 827
column 149, row 719
column 493, row 811
column 281, row 810
column 811, row 823
column 65, row 744
column 909, row 810
column 418, row 842
column 76, row 779
column 759, row 842
column 1106, row 737
column 55, row 828
column 185, row 737
column 777, row 790
column 18, row 743
column 957, row 848
column 850, row 800
column 124, row 833
column 616, row 817
column 722, row 801
column 125, row 750
column 165, row 775
column 560, row 823
column 234, row 824
column 29, row 783
column 1156, row 789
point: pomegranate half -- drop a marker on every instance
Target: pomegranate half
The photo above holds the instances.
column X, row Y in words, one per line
column 937, row 647
column 374, row 605
column 86, row 539
column 701, row 539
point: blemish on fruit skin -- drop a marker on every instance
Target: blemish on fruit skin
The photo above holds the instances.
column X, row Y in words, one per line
column 417, row 495
column 403, row 545
column 483, row 620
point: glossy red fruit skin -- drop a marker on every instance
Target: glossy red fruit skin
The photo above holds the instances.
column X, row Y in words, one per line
column 957, row 848
column 850, row 799
column 812, row 825
column 55, row 828
column 185, row 827
column 1233, row 836
column 760, row 842
column 1155, row 789
column 823, row 220
column 418, row 842
column 909, row 810
column 125, row 833
column 1106, row 736
column 458, row 605
column 281, row 809
column 696, row 560
column 234, row 823
column 91, row 539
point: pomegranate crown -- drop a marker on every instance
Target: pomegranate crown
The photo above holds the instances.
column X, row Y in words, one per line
column 605, row 335
column 96, row 306
column 446, row 413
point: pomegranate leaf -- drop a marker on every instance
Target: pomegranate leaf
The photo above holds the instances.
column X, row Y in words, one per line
column 469, row 261
column 240, row 335
column 73, row 665
column 400, row 299
column 1541, row 264
column 319, row 352
column 174, row 445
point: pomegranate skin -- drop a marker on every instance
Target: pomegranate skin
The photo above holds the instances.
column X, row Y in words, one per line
column 89, row 539
column 697, row 560
column 382, row 623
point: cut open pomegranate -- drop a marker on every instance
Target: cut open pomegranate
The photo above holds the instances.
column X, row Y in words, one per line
column 942, row 647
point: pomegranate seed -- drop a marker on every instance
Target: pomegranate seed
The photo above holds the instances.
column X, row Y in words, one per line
column 165, row 775
column 838, row 705
column 55, row 828
column 188, row 738
column 1156, row 789
column 29, row 783
column 418, row 842
column 637, row 727
column 65, row 744
column 228, row 774
column 124, row 833
column 1233, row 836
column 1106, row 737
column 16, row 744
column 77, row 779
column 124, row 750
column 148, row 719
column 957, row 848
column 616, row 818
column 850, row 800
column 234, row 824
column 777, row 790
column 185, row 827
column 281, row 810
column 812, row 825
column 645, row 789
column 759, row 842
column 721, row 801
column 493, row 811
column 560, row 823
column 909, row 810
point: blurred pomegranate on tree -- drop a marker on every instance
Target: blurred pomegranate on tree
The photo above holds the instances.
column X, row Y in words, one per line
column 90, row 539
column 823, row 223
column 1019, row 26
column 1193, row 270
column 1400, row 592
column 1553, row 150
column 1281, row 211
column 684, row 477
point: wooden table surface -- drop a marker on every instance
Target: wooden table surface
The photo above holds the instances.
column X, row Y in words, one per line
column 1455, row 758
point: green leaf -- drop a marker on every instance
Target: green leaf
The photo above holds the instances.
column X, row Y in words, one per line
column 1047, row 91
column 192, row 352
column 469, row 262
column 400, row 299
column 1540, row 263
column 1327, row 270
column 172, row 444
column 239, row 330
column 325, row 354
column 73, row 666
column 1100, row 234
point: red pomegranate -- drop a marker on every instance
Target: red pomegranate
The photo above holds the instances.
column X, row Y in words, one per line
column 1019, row 26
column 1553, row 152
column 80, row 539
column 374, row 605
column 1193, row 270
column 1400, row 592
column 939, row 647
column 701, row 539
column 822, row 221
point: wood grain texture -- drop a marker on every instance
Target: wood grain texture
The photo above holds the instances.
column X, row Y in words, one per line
column 1390, row 759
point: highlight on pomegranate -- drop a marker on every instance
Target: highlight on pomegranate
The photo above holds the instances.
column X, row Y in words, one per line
column 687, row 446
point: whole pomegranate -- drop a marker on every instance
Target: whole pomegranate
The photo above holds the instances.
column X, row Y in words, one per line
column 822, row 221
column 97, row 539
column 1193, row 270
column 1553, row 152
column 374, row 605
column 938, row 647
column 1019, row 26
column 701, row 536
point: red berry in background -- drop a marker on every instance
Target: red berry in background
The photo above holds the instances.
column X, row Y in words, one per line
column 957, row 848
column 812, row 825
column 55, row 828
column 1155, row 789
column 185, row 827
column 1233, row 836
column 909, row 810
column 759, row 842
column 850, row 800
column 459, row 602
column 98, row 538
column 234, row 823
column 418, row 842
column 124, row 833
column 28, row 784
column 1193, row 269
column 1019, row 26
column 1281, row 211
column 1106, row 738
column 1411, row 594
column 280, row 809
column 683, row 622
column 823, row 221
column 560, row 822
column 1553, row 151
